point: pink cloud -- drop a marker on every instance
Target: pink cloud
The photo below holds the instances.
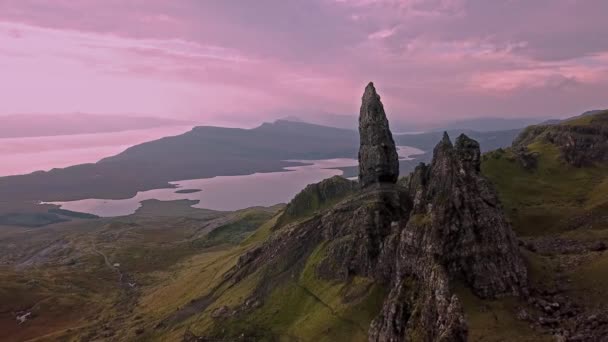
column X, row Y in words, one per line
column 74, row 71
column 382, row 34
column 217, row 60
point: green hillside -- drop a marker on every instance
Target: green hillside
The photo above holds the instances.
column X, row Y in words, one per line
column 558, row 204
column 553, row 196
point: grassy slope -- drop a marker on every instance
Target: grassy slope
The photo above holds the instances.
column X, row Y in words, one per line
column 300, row 306
column 495, row 320
column 84, row 299
column 315, row 198
column 555, row 200
column 303, row 308
column 234, row 232
column 547, row 199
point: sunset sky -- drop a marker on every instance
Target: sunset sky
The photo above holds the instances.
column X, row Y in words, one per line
column 248, row 61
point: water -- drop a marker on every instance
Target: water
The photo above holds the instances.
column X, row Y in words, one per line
column 25, row 155
column 230, row 192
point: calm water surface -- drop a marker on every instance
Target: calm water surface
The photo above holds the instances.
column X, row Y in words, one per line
column 230, row 192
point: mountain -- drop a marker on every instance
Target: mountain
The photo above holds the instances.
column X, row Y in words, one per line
column 436, row 249
column 201, row 153
column 326, row 119
column 207, row 152
column 379, row 261
column 39, row 125
column 509, row 245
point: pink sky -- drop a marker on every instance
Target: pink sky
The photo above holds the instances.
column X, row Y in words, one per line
column 242, row 62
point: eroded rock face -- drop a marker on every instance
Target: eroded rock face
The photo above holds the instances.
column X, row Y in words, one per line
column 456, row 232
column 580, row 143
column 445, row 227
column 459, row 219
column 378, row 159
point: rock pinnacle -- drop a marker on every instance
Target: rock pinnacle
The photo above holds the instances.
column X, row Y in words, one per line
column 378, row 159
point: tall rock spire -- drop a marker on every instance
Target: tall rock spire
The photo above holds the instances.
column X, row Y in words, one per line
column 378, row 159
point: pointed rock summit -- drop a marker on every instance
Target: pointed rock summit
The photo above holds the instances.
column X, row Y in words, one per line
column 378, row 159
column 444, row 229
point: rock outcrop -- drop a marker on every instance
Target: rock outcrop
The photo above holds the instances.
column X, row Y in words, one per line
column 378, row 159
column 458, row 218
column 581, row 141
column 456, row 232
column 445, row 227
column 316, row 197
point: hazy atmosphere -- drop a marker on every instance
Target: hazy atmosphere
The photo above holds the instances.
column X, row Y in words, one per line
column 223, row 62
column 304, row 170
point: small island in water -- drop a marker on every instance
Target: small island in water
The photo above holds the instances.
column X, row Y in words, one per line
column 188, row 191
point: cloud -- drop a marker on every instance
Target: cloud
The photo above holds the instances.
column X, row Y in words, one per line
column 430, row 58
column 382, row 34
column 66, row 70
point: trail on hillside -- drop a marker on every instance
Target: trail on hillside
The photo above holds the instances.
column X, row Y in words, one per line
column 109, row 264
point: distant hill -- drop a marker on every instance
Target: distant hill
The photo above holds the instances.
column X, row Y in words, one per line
column 326, row 119
column 489, row 124
column 200, row 153
column 587, row 113
column 207, row 152
column 555, row 176
column 483, row 124
column 39, row 125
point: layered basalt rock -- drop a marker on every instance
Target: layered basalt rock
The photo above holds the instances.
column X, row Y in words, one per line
column 378, row 158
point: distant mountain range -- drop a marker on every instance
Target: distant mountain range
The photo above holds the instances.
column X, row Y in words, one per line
column 484, row 124
column 208, row 151
column 587, row 113
column 211, row 151
column 39, row 125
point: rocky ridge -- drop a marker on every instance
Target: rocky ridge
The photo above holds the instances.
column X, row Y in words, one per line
column 443, row 228
column 582, row 141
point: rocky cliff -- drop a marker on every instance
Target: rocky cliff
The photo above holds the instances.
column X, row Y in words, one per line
column 444, row 228
column 582, row 141
column 456, row 232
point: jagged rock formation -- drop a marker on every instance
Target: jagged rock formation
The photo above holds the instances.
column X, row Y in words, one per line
column 378, row 159
column 445, row 227
column 459, row 220
column 456, row 232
